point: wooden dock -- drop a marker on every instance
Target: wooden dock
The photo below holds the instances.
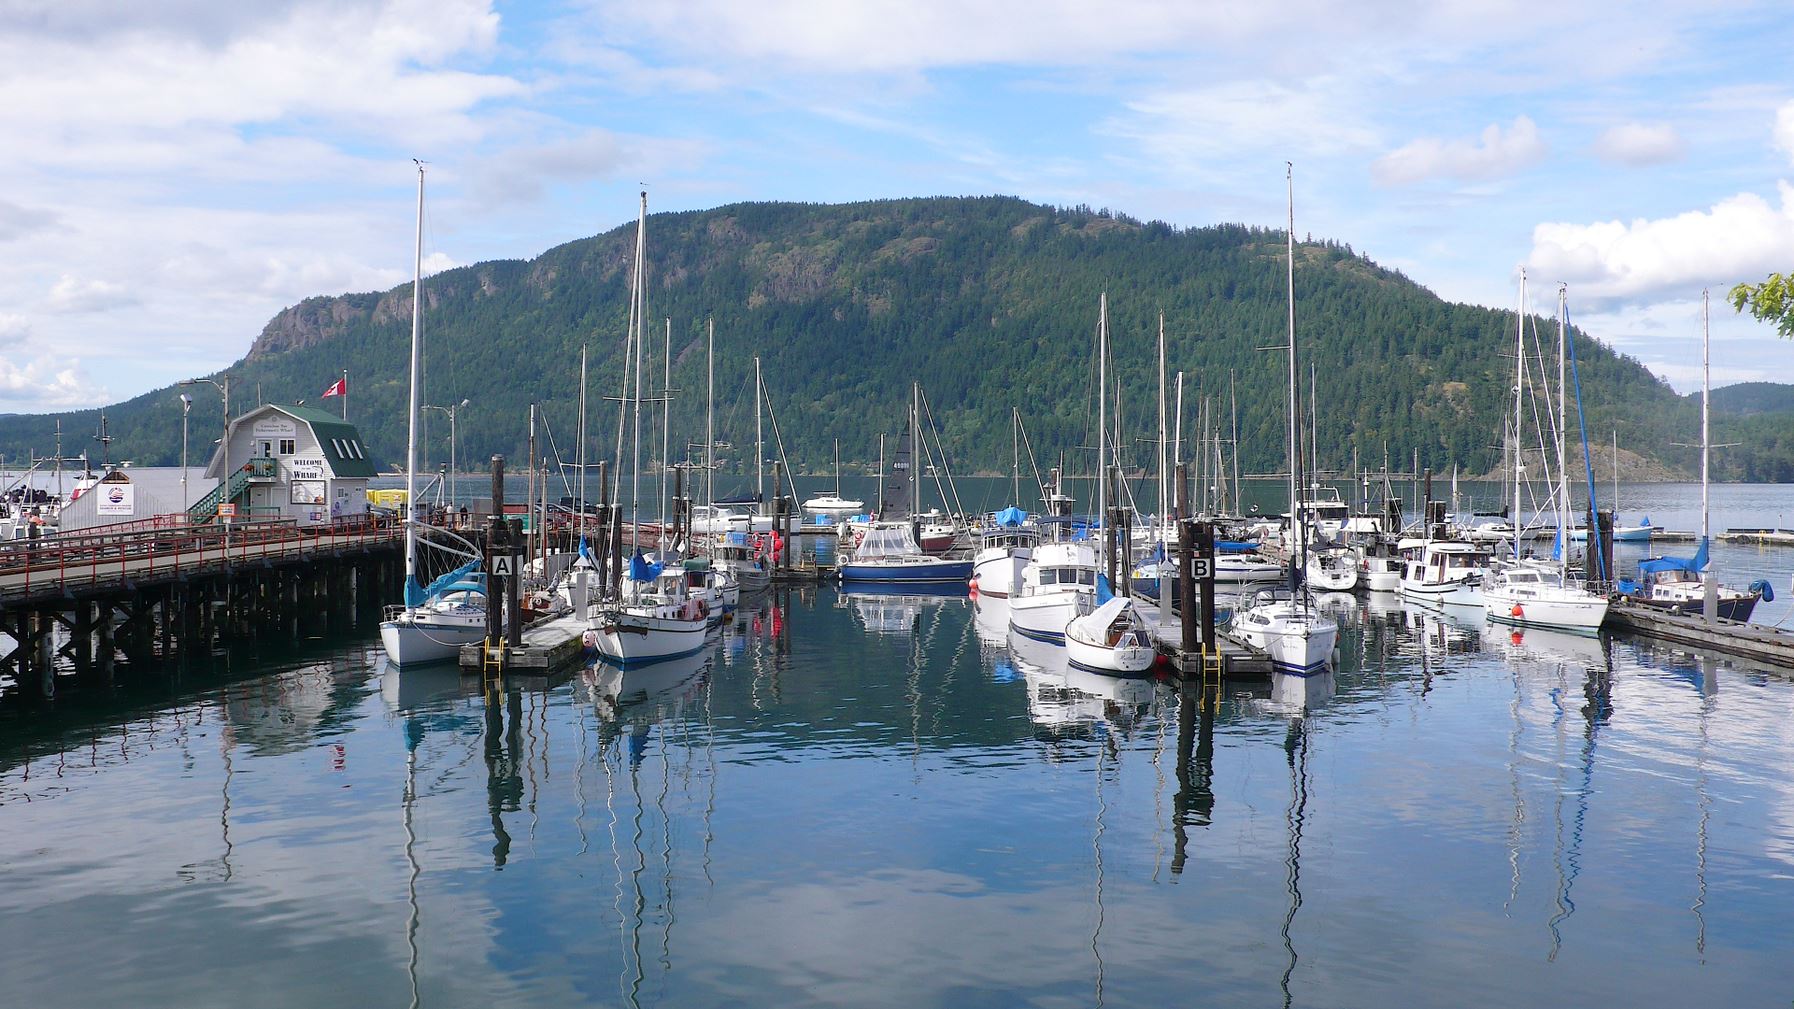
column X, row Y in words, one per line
column 1751, row 641
column 1237, row 657
column 547, row 645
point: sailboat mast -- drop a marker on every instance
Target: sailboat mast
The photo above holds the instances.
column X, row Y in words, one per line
column 1177, row 437
column 581, row 522
column 1015, row 454
column 1295, row 446
column 759, row 442
column 1164, row 481
column 710, row 416
column 915, row 430
column 666, row 430
column 1563, row 468
column 417, row 324
column 1519, row 390
column 635, row 467
column 1102, row 409
column 1706, row 395
column 1233, row 393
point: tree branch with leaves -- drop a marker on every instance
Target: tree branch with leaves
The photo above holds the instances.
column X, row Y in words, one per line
column 1771, row 301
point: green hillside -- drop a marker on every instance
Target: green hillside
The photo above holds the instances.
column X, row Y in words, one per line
column 1750, row 398
column 988, row 302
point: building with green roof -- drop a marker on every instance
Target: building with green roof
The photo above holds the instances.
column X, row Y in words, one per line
column 289, row 462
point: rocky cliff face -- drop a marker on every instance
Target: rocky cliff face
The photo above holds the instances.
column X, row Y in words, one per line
column 315, row 320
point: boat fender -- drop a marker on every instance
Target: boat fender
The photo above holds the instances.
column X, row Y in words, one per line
column 1761, row 588
column 1518, row 611
column 589, row 639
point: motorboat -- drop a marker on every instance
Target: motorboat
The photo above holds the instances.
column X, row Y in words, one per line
column 1004, row 550
column 1443, row 572
column 1058, row 585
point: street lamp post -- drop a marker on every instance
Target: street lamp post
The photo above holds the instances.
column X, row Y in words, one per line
column 186, row 408
column 224, row 388
column 453, row 468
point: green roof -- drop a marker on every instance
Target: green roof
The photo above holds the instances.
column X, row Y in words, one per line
column 339, row 440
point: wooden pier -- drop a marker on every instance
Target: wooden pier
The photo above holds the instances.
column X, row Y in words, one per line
column 77, row 603
column 1751, row 641
column 546, row 646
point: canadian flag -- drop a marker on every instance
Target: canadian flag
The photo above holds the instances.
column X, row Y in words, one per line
column 340, row 387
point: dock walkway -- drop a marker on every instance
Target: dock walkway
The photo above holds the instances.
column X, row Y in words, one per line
column 1752, row 641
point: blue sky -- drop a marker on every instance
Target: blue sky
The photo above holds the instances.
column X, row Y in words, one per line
column 175, row 173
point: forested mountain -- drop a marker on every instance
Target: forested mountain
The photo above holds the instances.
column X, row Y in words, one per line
column 1749, row 398
column 989, row 302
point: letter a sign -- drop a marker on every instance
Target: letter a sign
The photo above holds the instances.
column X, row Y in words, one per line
column 505, row 565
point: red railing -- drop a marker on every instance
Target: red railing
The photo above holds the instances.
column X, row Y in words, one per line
column 83, row 560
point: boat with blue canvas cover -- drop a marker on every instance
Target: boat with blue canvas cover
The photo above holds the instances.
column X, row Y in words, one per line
column 888, row 553
column 1004, row 549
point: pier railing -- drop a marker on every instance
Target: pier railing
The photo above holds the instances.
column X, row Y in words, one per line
column 61, row 564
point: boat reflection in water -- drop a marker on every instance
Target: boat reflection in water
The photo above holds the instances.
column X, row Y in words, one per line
column 895, row 610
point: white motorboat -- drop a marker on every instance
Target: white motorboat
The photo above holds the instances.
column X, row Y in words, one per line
column 1112, row 639
column 1443, row 572
column 1380, row 572
column 1003, row 551
column 1058, row 585
column 736, row 556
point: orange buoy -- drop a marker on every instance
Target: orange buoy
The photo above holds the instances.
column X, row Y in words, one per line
column 1518, row 610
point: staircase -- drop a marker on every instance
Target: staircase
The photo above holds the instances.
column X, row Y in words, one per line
column 257, row 470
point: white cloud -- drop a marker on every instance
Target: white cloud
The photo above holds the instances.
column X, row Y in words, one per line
column 46, row 384
column 14, row 329
column 1194, row 129
column 17, row 221
column 1784, row 130
column 524, row 173
column 1640, row 144
column 1740, row 237
column 1494, row 154
column 72, row 294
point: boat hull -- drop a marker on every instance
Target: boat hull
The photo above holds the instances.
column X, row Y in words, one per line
column 628, row 638
column 1120, row 660
column 1045, row 617
column 909, row 572
column 1582, row 614
column 414, row 639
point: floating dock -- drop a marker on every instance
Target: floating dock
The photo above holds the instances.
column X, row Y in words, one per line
column 546, row 645
column 1237, row 657
column 1751, row 641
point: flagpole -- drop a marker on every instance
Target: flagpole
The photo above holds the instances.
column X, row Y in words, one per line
column 345, row 395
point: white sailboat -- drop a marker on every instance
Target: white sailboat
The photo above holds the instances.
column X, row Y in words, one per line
column 1113, row 639
column 1533, row 592
column 435, row 621
column 832, row 508
column 1298, row 637
column 653, row 618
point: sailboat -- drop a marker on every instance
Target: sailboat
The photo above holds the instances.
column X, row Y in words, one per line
column 1007, row 544
column 833, row 507
column 1639, row 532
column 1298, row 637
column 437, row 619
column 886, row 550
column 1681, row 584
column 653, row 618
column 1531, row 592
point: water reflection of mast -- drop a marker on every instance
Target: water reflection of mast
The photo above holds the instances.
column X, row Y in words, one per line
column 1709, row 690
column 1597, row 690
column 1295, row 746
column 1105, row 747
column 1517, row 824
column 413, row 735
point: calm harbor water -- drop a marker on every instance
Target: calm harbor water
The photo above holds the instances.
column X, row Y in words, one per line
column 855, row 800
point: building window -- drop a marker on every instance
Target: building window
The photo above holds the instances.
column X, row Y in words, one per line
column 267, row 450
column 286, row 446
